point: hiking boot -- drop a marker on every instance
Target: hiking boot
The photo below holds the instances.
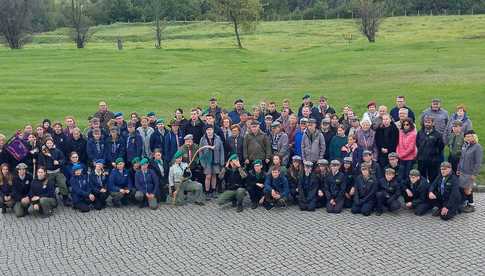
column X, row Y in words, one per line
column 467, row 209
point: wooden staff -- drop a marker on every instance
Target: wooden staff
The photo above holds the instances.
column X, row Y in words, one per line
column 188, row 167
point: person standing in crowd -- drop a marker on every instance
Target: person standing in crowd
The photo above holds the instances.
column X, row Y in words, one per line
column 180, row 183
column 235, row 144
column 120, row 123
column 299, row 136
column 307, row 188
column 366, row 138
column 77, row 143
column 313, row 143
column 272, row 111
column 234, row 178
column 469, row 168
column 371, row 114
column 60, row 139
column 276, row 190
column 195, row 126
column 335, row 188
column 152, row 119
column 52, row 159
column 70, row 122
column 157, row 138
column 459, row 116
column 293, row 175
column 430, row 150
column 438, row 115
column 279, row 143
column 238, row 109
column 406, row 147
column 145, row 132
column 134, row 142
column 95, row 147
column 257, row 145
column 42, row 194
column 386, row 140
column 103, row 114
column 173, row 140
column 179, row 117
column 115, row 147
column 211, row 159
column 21, row 188
column 352, row 149
column 401, row 104
column 336, row 144
column 455, row 141
column 324, row 108
column 328, row 133
column 214, row 110
column 307, row 103
column 416, row 192
column 382, row 110
column 444, row 193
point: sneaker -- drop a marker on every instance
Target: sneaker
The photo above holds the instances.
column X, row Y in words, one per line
column 199, row 203
column 239, row 208
column 468, row 208
column 379, row 213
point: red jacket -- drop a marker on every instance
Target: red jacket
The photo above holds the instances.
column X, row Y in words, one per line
column 406, row 148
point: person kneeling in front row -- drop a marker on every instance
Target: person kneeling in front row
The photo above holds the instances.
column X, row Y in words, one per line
column 233, row 175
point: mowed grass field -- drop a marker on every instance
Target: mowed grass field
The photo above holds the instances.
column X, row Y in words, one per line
column 419, row 57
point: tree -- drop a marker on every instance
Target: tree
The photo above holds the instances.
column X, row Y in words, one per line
column 15, row 21
column 371, row 13
column 244, row 14
column 155, row 7
column 79, row 22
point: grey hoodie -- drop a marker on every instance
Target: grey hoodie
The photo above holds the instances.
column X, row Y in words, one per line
column 440, row 118
column 471, row 159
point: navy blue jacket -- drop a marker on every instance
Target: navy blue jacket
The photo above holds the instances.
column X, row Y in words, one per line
column 170, row 144
column 279, row 184
column 98, row 182
column 451, row 196
column 21, row 188
column 335, row 186
column 48, row 161
column 365, row 190
column 37, row 189
column 395, row 113
column 6, row 189
column 92, row 150
column 393, row 188
column 147, row 182
column 430, row 145
column 420, row 190
column 119, row 180
column 134, row 146
column 80, row 188
column 157, row 140
column 79, row 146
column 114, row 149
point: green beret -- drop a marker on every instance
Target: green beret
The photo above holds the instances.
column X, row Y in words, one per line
column 160, row 121
column 178, row 154
column 233, row 157
column 144, row 161
column 119, row 160
column 257, row 162
column 135, row 160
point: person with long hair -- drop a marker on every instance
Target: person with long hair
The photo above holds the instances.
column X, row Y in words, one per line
column 42, row 194
column 406, row 147
column 6, row 188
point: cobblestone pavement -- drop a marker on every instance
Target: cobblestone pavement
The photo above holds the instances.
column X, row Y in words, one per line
column 210, row 240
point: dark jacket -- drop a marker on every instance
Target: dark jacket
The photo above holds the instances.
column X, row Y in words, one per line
column 147, row 182
column 134, row 146
column 365, row 190
column 393, row 189
column 48, row 161
column 420, row 191
column 195, row 128
column 395, row 113
column 119, row 180
column 254, row 178
column 387, row 137
column 95, row 150
column 79, row 146
column 236, row 145
column 234, row 178
column 60, row 140
column 21, row 187
column 430, row 145
column 170, row 144
column 450, row 196
column 162, row 173
column 80, row 188
column 335, row 186
column 279, row 184
column 98, row 182
column 157, row 140
column 114, row 149
column 37, row 189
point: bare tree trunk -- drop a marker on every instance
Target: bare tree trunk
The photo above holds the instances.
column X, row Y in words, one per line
column 158, row 43
column 236, row 30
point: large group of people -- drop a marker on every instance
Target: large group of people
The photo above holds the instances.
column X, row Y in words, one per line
column 311, row 157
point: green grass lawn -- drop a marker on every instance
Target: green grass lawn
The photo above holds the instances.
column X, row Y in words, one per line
column 420, row 57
